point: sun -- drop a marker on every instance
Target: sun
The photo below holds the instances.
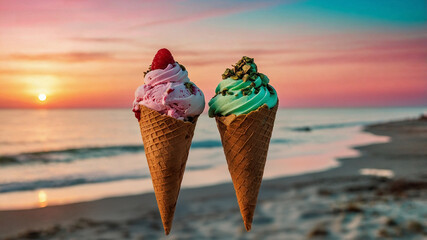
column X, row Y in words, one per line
column 42, row 97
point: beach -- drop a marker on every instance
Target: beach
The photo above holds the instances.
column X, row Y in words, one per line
column 380, row 194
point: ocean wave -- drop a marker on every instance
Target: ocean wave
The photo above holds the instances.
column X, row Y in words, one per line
column 328, row 126
column 72, row 154
column 93, row 152
column 63, row 182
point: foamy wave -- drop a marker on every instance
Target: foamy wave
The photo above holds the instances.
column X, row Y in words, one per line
column 72, row 154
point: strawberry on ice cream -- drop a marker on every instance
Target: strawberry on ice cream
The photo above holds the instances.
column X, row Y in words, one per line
column 168, row 90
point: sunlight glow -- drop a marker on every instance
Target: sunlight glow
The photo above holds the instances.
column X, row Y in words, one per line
column 42, row 97
column 42, row 198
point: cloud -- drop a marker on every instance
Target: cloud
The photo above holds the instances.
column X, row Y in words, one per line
column 401, row 50
column 118, row 15
column 410, row 43
column 101, row 39
column 362, row 58
column 211, row 13
column 70, row 57
column 234, row 52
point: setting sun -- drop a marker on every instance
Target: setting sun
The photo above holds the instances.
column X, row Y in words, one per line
column 42, row 97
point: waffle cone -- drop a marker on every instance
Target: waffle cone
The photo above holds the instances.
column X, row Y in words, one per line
column 166, row 142
column 245, row 139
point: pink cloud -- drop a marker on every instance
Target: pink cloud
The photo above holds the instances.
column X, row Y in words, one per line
column 235, row 52
column 71, row 57
column 102, row 39
column 362, row 57
column 209, row 13
column 401, row 50
column 55, row 13
column 418, row 43
column 115, row 14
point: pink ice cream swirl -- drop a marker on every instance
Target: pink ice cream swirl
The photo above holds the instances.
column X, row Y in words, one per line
column 170, row 92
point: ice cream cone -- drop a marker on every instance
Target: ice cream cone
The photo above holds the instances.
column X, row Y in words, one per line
column 245, row 139
column 166, row 142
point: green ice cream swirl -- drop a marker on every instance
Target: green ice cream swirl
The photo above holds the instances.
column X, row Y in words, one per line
column 242, row 90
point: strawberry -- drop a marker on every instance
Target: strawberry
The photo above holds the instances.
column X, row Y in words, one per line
column 162, row 59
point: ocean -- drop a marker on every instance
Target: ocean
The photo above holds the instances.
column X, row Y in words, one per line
column 50, row 157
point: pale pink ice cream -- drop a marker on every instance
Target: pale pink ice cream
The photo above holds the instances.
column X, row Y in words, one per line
column 170, row 92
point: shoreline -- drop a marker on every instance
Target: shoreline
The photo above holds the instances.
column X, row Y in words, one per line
column 215, row 209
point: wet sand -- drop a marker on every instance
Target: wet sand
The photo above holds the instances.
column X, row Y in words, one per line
column 341, row 203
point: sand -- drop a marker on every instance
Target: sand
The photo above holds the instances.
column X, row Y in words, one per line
column 340, row 203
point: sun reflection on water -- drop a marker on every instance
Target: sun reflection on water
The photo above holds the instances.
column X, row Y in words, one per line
column 42, row 197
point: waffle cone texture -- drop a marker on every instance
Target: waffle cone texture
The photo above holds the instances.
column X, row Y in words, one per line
column 167, row 142
column 245, row 139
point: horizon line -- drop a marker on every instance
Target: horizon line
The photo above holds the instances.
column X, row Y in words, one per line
column 280, row 107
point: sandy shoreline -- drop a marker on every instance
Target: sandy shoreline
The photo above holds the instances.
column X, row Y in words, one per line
column 337, row 204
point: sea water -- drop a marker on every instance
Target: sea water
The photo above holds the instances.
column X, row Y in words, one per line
column 50, row 157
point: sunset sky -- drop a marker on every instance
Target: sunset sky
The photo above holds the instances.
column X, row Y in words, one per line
column 316, row 53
